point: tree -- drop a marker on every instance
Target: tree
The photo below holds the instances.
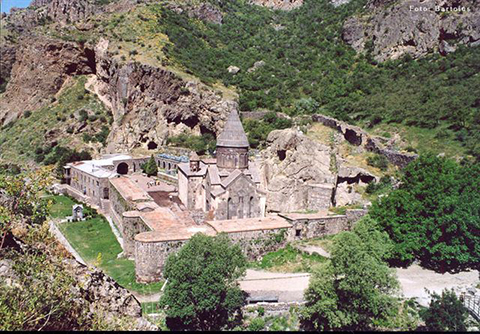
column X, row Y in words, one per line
column 354, row 288
column 150, row 167
column 202, row 293
column 434, row 216
column 446, row 313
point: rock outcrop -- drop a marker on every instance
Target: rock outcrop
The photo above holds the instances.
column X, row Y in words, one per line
column 358, row 137
column 279, row 4
column 151, row 103
column 41, row 67
column 295, row 170
column 414, row 27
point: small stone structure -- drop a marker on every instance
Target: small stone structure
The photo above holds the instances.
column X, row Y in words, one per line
column 77, row 212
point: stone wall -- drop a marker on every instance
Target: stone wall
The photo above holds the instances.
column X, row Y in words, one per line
column 319, row 196
column 314, row 228
column 132, row 225
column 356, row 136
column 150, row 258
column 254, row 244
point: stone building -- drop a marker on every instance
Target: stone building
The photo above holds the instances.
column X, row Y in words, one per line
column 228, row 187
column 90, row 178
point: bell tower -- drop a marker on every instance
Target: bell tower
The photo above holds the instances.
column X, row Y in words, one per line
column 232, row 145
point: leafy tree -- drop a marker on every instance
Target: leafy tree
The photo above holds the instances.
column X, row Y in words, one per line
column 150, row 167
column 202, row 293
column 446, row 313
column 434, row 216
column 354, row 288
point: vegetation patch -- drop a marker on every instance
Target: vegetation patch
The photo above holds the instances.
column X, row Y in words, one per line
column 94, row 240
column 288, row 259
column 24, row 140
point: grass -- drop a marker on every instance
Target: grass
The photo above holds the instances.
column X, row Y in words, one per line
column 94, row 240
column 151, row 307
column 438, row 140
column 61, row 206
column 19, row 140
column 325, row 242
column 289, row 260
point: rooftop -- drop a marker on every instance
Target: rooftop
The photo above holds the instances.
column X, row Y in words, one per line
column 129, row 189
column 249, row 224
column 233, row 134
column 300, row 216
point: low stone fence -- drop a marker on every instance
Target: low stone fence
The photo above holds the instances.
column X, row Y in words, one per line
column 271, row 309
column 170, row 179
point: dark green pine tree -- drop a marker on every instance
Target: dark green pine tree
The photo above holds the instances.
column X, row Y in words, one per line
column 151, row 168
column 446, row 313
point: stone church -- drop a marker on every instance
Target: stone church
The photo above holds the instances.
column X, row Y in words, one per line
column 228, row 187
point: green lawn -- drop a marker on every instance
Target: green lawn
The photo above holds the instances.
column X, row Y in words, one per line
column 61, row 206
column 94, row 240
column 288, row 260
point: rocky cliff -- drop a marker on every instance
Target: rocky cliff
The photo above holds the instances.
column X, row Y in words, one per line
column 150, row 103
column 390, row 29
column 278, row 4
column 40, row 68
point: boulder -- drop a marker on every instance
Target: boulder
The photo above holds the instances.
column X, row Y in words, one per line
column 296, row 172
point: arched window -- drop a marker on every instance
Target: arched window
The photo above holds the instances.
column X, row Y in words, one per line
column 106, row 193
column 240, row 208
column 229, row 208
column 250, row 207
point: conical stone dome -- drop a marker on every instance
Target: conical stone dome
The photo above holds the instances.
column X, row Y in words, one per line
column 233, row 134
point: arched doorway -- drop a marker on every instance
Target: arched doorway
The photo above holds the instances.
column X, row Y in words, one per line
column 106, row 193
column 122, row 168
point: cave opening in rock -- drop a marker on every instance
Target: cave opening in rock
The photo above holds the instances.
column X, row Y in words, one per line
column 352, row 137
column 191, row 122
column 282, row 154
column 152, row 145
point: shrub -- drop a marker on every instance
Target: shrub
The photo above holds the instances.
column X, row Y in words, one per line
column 378, row 161
column 446, row 313
column 27, row 113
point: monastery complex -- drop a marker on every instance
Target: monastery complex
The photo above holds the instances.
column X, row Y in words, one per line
column 156, row 216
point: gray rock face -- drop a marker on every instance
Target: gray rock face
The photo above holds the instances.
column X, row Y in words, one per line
column 356, row 136
column 414, row 27
column 150, row 103
column 295, row 168
column 206, row 12
column 278, row 4
column 41, row 67
column 337, row 3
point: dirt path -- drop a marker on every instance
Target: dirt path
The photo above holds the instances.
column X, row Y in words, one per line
column 286, row 287
column 313, row 249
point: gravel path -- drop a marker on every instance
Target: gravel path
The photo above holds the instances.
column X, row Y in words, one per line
column 414, row 280
column 286, row 287
column 313, row 249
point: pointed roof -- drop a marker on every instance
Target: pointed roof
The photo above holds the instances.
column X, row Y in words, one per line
column 233, row 134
